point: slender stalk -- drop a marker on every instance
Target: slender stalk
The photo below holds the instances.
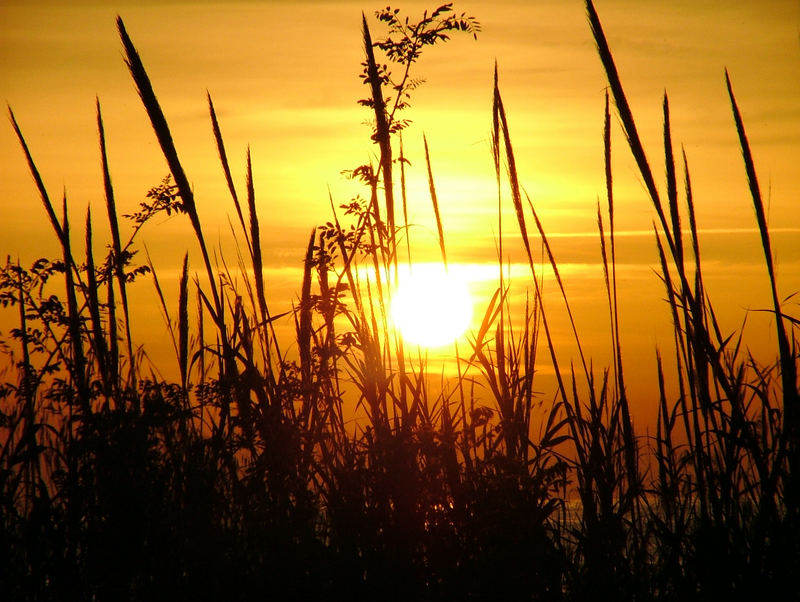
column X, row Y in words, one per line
column 164, row 136
column 435, row 203
column 787, row 361
column 116, row 245
column 626, row 118
column 54, row 221
column 223, row 157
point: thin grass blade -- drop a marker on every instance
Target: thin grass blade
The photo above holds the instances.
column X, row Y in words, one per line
column 116, row 244
column 787, row 363
column 435, row 202
column 223, row 157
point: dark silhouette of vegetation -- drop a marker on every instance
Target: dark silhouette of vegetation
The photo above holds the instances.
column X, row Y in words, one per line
column 339, row 475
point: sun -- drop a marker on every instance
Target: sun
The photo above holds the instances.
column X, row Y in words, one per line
column 431, row 307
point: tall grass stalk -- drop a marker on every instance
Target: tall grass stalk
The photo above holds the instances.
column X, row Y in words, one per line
column 118, row 261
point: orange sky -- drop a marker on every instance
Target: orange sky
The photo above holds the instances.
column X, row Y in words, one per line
column 284, row 78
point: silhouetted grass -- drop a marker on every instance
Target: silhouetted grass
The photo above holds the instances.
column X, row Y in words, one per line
column 347, row 471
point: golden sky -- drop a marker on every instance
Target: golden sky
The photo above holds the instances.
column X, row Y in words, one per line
column 284, row 79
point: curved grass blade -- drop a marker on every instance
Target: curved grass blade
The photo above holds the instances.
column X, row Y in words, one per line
column 788, row 367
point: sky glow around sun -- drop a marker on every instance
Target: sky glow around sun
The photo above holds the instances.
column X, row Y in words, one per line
column 431, row 307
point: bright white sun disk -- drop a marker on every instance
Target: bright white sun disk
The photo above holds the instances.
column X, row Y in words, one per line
column 430, row 307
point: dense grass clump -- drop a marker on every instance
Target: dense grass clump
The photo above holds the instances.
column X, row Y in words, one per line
column 338, row 472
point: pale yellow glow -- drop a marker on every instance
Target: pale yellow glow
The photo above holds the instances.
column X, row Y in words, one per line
column 431, row 307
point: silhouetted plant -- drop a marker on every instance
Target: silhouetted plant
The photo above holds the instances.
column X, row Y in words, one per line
column 336, row 473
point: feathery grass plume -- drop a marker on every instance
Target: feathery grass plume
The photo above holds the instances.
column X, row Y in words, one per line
column 38, row 180
column 705, row 351
column 672, row 187
column 382, row 130
column 516, row 196
column 223, row 157
column 164, row 136
column 496, row 156
column 608, row 172
column 787, row 360
column 116, row 245
column 258, row 271
column 626, row 117
column 698, row 272
column 159, row 123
